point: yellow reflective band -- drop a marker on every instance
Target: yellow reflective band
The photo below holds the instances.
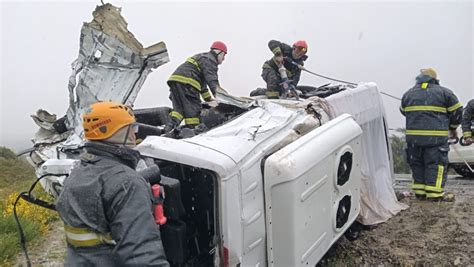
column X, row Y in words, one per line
column 176, row 115
column 76, row 230
column 439, row 179
column 417, row 186
column 194, row 62
column 84, row 237
column 272, row 93
column 424, row 85
column 419, row 192
column 425, row 108
column 186, row 80
column 434, row 195
column 276, row 50
column 427, row 132
column 454, row 107
column 467, row 134
column 453, row 125
column 206, row 94
column 192, row 121
column 433, row 189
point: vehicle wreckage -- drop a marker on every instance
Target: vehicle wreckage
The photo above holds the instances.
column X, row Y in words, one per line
column 270, row 183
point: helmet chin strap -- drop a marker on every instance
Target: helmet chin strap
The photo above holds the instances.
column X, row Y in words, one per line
column 126, row 135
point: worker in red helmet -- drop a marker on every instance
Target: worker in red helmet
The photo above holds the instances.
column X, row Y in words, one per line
column 189, row 83
column 281, row 72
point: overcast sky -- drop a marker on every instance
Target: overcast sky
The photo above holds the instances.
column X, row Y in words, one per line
column 382, row 42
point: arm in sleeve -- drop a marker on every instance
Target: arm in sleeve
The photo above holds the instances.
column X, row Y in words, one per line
column 274, row 46
column 454, row 110
column 209, row 70
column 467, row 119
column 402, row 106
column 296, row 77
column 129, row 209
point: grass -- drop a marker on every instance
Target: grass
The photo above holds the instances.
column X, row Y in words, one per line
column 16, row 176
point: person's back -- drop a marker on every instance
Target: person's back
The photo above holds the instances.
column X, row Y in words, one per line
column 432, row 115
column 106, row 206
column 431, row 111
column 198, row 71
column 189, row 83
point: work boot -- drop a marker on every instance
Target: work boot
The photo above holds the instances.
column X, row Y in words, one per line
column 448, row 197
column 420, row 197
column 200, row 128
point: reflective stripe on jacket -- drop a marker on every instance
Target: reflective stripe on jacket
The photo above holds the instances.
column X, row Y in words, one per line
column 467, row 118
column 198, row 71
column 431, row 110
column 106, row 207
column 293, row 72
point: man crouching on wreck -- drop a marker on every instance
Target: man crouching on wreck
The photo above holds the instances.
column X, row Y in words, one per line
column 105, row 204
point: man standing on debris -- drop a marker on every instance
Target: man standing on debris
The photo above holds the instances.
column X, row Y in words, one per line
column 467, row 118
column 188, row 85
column 106, row 206
column 281, row 72
column 432, row 115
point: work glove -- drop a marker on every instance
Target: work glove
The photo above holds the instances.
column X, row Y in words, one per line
column 213, row 103
column 209, row 104
column 468, row 141
column 278, row 60
column 453, row 134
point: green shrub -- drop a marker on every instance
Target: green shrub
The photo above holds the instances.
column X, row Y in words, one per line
column 16, row 175
column 6, row 153
column 9, row 237
column 398, row 144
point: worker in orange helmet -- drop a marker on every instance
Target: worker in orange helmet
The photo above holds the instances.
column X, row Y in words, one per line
column 106, row 205
column 189, row 83
column 281, row 72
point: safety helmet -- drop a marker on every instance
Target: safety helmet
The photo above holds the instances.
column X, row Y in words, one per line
column 103, row 119
column 301, row 44
column 219, row 45
column 429, row 72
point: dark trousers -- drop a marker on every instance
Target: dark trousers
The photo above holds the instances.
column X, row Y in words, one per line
column 429, row 165
column 186, row 104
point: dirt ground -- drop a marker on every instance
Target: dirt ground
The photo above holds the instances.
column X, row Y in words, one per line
column 48, row 251
column 426, row 234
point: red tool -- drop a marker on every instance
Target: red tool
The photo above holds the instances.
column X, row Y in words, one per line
column 160, row 217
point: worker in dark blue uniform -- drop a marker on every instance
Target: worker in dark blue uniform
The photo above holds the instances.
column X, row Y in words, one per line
column 467, row 118
column 281, row 73
column 432, row 115
column 189, row 82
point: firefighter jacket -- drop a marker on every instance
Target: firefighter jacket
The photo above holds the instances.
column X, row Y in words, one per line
column 430, row 110
column 199, row 71
column 467, row 118
column 292, row 71
column 106, row 207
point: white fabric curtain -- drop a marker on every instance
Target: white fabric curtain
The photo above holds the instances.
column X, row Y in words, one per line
column 378, row 200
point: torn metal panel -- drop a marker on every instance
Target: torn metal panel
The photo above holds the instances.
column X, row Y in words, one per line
column 112, row 64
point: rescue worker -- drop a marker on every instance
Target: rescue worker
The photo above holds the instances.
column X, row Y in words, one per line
column 467, row 118
column 281, row 72
column 432, row 114
column 106, row 206
column 188, row 84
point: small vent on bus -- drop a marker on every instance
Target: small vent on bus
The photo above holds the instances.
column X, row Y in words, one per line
column 344, row 168
column 343, row 211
